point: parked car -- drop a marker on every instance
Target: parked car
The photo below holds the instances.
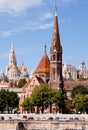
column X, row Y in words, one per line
column 57, row 118
column 1, row 118
column 8, row 118
column 50, row 118
column 31, row 118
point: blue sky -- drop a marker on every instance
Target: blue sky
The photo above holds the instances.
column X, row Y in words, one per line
column 29, row 24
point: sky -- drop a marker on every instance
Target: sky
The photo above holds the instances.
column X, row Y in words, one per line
column 29, row 24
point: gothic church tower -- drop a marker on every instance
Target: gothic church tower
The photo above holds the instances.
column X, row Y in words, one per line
column 56, row 57
column 12, row 57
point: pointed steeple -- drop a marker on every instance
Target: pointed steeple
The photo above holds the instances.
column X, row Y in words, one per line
column 56, row 35
column 56, row 56
column 12, row 57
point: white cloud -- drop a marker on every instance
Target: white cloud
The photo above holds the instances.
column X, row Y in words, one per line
column 46, row 16
column 45, row 26
column 17, row 6
column 36, row 26
column 27, row 26
column 8, row 32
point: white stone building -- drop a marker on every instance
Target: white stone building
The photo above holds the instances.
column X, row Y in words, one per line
column 69, row 72
column 14, row 72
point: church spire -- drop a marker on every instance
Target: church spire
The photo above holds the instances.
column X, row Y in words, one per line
column 56, row 56
column 12, row 57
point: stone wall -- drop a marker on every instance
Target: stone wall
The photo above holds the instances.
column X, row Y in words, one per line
column 41, row 122
column 43, row 125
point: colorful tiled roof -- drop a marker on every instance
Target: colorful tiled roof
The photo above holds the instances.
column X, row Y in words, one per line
column 44, row 65
column 22, row 67
column 4, row 84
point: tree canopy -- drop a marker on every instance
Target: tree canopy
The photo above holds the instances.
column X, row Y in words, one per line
column 43, row 97
column 80, row 89
column 8, row 101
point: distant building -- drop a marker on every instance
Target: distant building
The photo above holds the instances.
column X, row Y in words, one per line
column 82, row 71
column 69, row 72
column 13, row 72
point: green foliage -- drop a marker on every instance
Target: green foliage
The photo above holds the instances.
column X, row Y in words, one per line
column 26, row 104
column 2, row 100
column 8, row 101
column 80, row 89
column 13, row 100
column 42, row 96
column 21, row 83
column 80, row 99
column 59, row 99
column 77, row 102
column 85, row 104
column 68, row 106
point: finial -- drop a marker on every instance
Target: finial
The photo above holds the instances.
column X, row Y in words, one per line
column 55, row 8
column 45, row 48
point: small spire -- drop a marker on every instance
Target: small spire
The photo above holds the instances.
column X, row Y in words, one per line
column 45, row 48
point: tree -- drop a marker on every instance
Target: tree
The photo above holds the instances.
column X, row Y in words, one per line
column 68, row 106
column 85, row 104
column 13, row 101
column 21, row 83
column 41, row 96
column 80, row 89
column 77, row 102
column 8, row 101
column 59, row 100
column 26, row 104
column 2, row 100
